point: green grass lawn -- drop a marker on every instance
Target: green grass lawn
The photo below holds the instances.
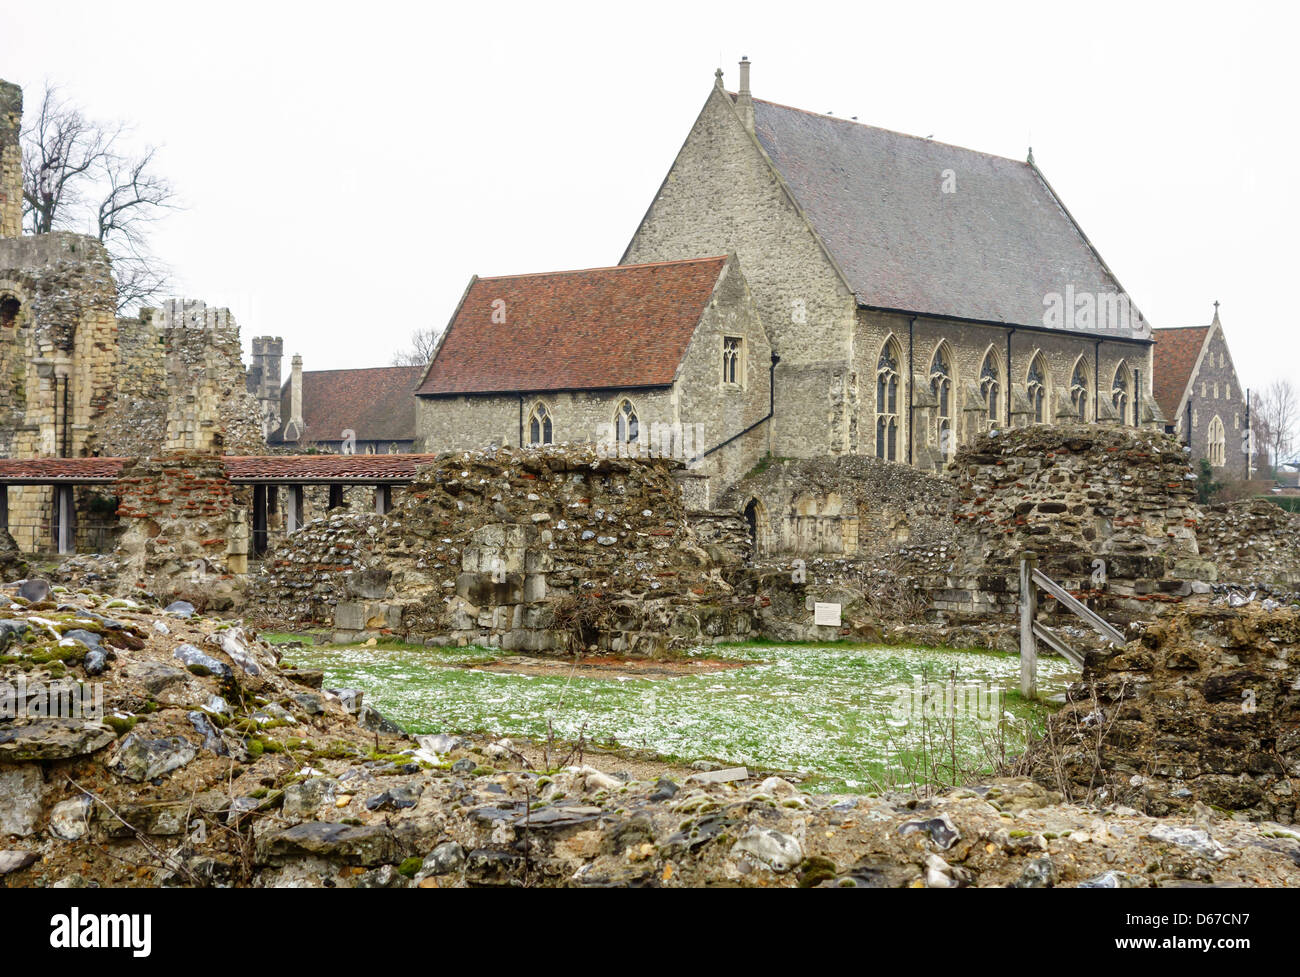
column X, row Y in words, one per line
column 844, row 714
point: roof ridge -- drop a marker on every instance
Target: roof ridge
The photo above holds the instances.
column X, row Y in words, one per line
column 583, row 271
column 895, row 132
column 1208, row 325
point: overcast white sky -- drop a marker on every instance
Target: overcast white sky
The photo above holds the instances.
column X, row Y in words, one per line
column 347, row 167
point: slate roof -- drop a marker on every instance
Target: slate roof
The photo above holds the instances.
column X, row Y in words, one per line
column 377, row 403
column 1175, row 355
column 598, row 328
column 989, row 252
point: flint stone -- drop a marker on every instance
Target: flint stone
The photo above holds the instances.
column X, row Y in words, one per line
column 138, row 759
column 304, row 799
column 68, row 820
column 943, row 833
column 153, row 676
column 20, row 799
column 193, row 658
column 180, row 608
column 1198, row 841
column 52, row 739
column 35, row 590
column 446, row 858
column 778, row 851
column 12, row 861
column 367, row 845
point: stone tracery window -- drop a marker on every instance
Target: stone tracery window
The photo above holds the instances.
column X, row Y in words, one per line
column 887, row 403
column 626, row 424
column 1037, row 388
column 1079, row 391
column 1119, row 393
column 941, row 387
column 732, row 361
column 540, row 426
column 1218, row 445
column 990, row 387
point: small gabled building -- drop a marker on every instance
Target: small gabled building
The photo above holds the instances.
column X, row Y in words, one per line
column 666, row 357
column 1203, row 401
column 366, row 411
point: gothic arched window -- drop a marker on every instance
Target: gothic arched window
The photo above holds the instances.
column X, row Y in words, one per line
column 1119, row 393
column 1218, row 443
column 1079, row 391
column 1037, row 388
column 941, row 387
column 540, row 428
column 887, row 403
column 625, row 422
column 989, row 387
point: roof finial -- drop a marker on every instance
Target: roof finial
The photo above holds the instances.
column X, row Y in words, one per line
column 717, row 78
column 1030, row 157
column 1216, row 310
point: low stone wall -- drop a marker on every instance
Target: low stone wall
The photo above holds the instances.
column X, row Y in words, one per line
column 1204, row 707
column 304, row 576
column 851, row 506
column 549, row 549
column 1253, row 542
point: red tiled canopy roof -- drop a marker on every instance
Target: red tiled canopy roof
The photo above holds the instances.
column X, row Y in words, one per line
column 60, row 469
column 626, row 326
column 309, row 468
column 378, row 404
column 1175, row 354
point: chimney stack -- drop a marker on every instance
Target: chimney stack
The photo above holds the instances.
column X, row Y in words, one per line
column 744, row 102
column 293, row 430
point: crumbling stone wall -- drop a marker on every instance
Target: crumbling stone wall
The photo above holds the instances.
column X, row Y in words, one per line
column 11, row 160
column 852, row 506
column 185, row 535
column 1253, row 542
column 547, row 549
column 181, row 385
column 1204, row 707
column 304, row 576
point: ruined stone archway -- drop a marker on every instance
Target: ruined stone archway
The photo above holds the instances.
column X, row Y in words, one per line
column 760, row 529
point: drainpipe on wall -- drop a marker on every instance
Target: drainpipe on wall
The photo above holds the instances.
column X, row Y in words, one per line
column 1008, row 397
column 1137, row 398
column 1096, row 381
column 521, row 420
column 771, row 411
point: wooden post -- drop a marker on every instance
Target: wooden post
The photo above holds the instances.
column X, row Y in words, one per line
column 383, row 499
column 4, row 505
column 259, row 520
column 1028, row 611
column 336, row 496
column 295, row 509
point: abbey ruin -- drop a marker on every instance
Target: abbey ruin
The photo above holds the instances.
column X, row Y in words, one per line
column 744, row 430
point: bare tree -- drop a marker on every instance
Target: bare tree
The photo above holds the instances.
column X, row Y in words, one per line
column 420, row 352
column 1277, row 415
column 78, row 175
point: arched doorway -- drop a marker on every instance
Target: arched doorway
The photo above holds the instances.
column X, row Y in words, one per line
column 756, row 520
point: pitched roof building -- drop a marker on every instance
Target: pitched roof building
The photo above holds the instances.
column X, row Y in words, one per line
column 1201, row 396
column 669, row 357
column 915, row 292
column 363, row 411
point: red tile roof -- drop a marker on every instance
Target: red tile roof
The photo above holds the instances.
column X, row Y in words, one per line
column 378, row 404
column 240, row 468
column 626, row 326
column 60, row 469
column 309, row 468
column 1175, row 354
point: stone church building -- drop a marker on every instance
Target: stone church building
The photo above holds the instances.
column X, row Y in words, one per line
column 1203, row 402
column 913, row 293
